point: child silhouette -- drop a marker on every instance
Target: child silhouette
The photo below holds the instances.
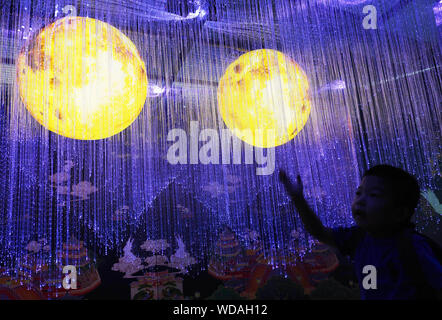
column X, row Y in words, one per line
column 407, row 264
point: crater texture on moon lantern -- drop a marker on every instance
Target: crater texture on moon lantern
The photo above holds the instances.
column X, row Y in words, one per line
column 263, row 98
column 82, row 78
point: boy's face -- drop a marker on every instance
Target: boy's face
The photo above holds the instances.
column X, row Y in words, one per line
column 373, row 207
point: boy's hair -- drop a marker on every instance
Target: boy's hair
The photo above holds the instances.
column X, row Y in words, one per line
column 405, row 187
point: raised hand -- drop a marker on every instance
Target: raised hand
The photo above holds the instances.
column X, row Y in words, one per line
column 311, row 222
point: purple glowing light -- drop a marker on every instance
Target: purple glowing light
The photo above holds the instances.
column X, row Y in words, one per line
column 352, row 2
column 437, row 9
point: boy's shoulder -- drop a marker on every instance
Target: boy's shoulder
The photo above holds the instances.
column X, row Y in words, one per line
column 422, row 261
column 347, row 239
column 426, row 247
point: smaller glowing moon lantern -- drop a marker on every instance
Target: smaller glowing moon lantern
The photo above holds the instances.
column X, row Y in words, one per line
column 263, row 98
column 82, row 78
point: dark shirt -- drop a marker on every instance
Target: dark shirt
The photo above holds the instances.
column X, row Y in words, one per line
column 392, row 280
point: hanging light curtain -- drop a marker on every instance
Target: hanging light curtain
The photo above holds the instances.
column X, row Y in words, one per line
column 369, row 97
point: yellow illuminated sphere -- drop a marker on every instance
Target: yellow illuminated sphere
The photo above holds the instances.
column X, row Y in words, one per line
column 82, row 78
column 263, row 98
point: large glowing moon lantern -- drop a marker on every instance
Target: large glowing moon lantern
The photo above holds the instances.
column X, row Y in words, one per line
column 263, row 98
column 82, row 78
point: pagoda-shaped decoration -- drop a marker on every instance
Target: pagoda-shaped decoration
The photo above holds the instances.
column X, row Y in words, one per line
column 75, row 253
column 230, row 263
column 39, row 271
